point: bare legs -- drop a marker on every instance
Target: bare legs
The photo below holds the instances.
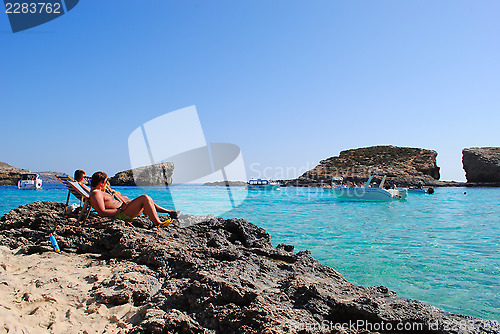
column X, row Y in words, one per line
column 172, row 213
column 143, row 204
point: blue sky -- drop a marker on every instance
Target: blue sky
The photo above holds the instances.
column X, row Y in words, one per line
column 290, row 82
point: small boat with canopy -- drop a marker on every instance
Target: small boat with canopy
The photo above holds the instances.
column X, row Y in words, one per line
column 29, row 181
column 263, row 184
column 366, row 193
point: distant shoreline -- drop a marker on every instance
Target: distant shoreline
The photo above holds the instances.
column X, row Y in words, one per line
column 225, row 184
column 289, row 183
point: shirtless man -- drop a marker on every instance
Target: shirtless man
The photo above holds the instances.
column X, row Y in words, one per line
column 121, row 207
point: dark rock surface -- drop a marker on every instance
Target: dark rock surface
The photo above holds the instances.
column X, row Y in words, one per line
column 222, row 276
column 482, row 164
column 154, row 175
column 9, row 175
column 404, row 166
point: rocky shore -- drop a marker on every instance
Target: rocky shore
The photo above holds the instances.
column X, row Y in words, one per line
column 215, row 276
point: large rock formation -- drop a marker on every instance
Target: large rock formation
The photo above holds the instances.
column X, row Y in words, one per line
column 154, row 175
column 404, row 166
column 482, row 164
column 220, row 276
column 9, row 175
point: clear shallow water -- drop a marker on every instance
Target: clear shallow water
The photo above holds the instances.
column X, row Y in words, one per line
column 443, row 249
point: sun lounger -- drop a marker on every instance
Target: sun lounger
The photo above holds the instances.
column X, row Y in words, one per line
column 76, row 189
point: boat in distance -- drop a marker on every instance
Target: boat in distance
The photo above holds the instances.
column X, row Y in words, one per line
column 263, row 184
column 366, row 193
column 29, row 181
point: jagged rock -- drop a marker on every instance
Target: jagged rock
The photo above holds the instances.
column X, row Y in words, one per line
column 9, row 175
column 481, row 164
column 154, row 175
column 221, row 276
column 404, row 166
column 131, row 283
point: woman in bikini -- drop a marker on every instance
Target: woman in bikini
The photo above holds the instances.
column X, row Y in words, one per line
column 121, row 207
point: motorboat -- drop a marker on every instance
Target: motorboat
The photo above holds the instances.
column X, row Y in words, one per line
column 29, row 181
column 263, row 184
column 368, row 193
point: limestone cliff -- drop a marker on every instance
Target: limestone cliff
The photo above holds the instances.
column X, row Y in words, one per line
column 402, row 166
column 9, row 175
column 481, row 164
column 153, row 175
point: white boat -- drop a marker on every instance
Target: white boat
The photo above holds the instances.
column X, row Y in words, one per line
column 366, row 193
column 263, row 184
column 29, row 181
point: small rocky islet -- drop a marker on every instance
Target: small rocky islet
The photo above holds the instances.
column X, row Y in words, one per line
column 404, row 166
column 221, row 276
column 482, row 165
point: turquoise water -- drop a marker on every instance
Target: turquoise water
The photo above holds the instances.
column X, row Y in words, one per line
column 443, row 249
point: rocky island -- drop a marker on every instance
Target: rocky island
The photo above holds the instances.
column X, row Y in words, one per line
column 215, row 276
column 153, row 175
column 404, row 166
column 482, row 165
column 9, row 175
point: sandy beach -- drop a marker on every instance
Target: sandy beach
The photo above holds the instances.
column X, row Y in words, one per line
column 50, row 292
